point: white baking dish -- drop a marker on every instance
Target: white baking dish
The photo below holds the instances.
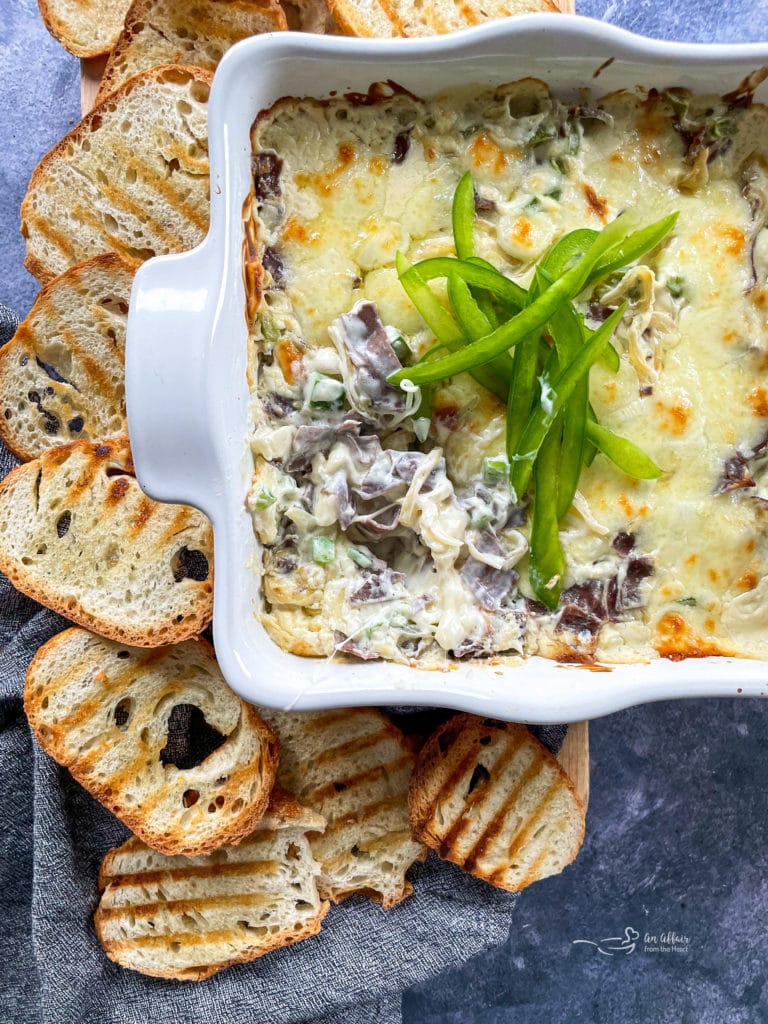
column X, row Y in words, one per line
column 186, row 357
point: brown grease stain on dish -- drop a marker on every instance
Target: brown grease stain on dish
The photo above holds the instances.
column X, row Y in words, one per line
column 606, row 64
column 589, row 666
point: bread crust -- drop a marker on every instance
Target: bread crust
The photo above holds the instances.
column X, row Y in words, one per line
column 53, row 740
column 449, row 754
column 352, row 21
column 139, row 13
column 63, row 31
column 89, row 124
column 25, row 338
column 116, row 449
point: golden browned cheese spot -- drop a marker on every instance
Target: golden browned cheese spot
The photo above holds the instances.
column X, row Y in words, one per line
column 325, row 182
column 676, row 640
column 673, row 418
column 758, row 401
column 289, row 357
column 595, row 203
column 487, row 154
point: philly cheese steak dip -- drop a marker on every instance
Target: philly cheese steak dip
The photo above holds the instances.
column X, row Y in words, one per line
column 421, row 498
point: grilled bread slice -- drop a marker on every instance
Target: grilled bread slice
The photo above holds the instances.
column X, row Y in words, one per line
column 352, row 766
column 156, row 736
column 78, row 535
column 309, row 16
column 487, row 796
column 387, row 18
column 61, row 377
column 196, row 33
column 187, row 917
column 87, row 28
column 130, row 178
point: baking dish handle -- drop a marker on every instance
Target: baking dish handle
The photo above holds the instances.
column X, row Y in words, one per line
column 170, row 323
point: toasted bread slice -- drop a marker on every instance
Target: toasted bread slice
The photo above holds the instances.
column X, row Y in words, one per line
column 78, row 535
column 387, row 18
column 87, row 28
column 352, row 766
column 196, row 33
column 130, row 178
column 62, row 375
column 156, row 736
column 487, row 796
column 188, row 917
column 309, row 16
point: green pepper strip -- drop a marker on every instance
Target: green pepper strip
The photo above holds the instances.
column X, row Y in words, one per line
column 463, row 217
column 473, row 272
column 475, row 325
column 565, row 327
column 442, row 324
column 530, row 319
column 561, row 389
column 432, row 311
column 522, row 388
column 547, row 563
column 463, row 220
column 471, row 318
column 623, row 453
column 633, row 247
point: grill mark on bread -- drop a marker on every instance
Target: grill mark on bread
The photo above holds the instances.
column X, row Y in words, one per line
column 161, row 186
column 235, row 777
column 187, row 938
column 335, row 788
column 525, row 826
column 494, row 826
column 363, row 813
column 60, row 240
column 460, row 769
column 107, row 685
column 145, row 509
column 122, row 201
column 387, row 7
column 353, row 746
column 91, row 367
column 237, row 869
column 116, row 491
column 177, row 525
column 481, row 794
column 186, row 906
column 114, row 242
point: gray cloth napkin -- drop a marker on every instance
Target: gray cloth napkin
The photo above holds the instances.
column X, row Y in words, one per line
column 53, row 836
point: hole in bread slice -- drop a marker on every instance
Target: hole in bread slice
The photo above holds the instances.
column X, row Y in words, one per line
column 190, row 738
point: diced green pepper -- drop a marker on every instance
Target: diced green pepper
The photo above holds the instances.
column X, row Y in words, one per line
column 326, row 392
column 323, row 550
column 264, row 498
column 359, row 557
column 495, row 468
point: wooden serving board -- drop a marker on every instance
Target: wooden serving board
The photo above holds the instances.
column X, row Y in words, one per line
column 574, row 755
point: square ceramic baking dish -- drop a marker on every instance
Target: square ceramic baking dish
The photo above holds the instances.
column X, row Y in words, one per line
column 188, row 398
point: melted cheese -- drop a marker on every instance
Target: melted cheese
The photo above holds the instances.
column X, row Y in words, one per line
column 690, row 389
